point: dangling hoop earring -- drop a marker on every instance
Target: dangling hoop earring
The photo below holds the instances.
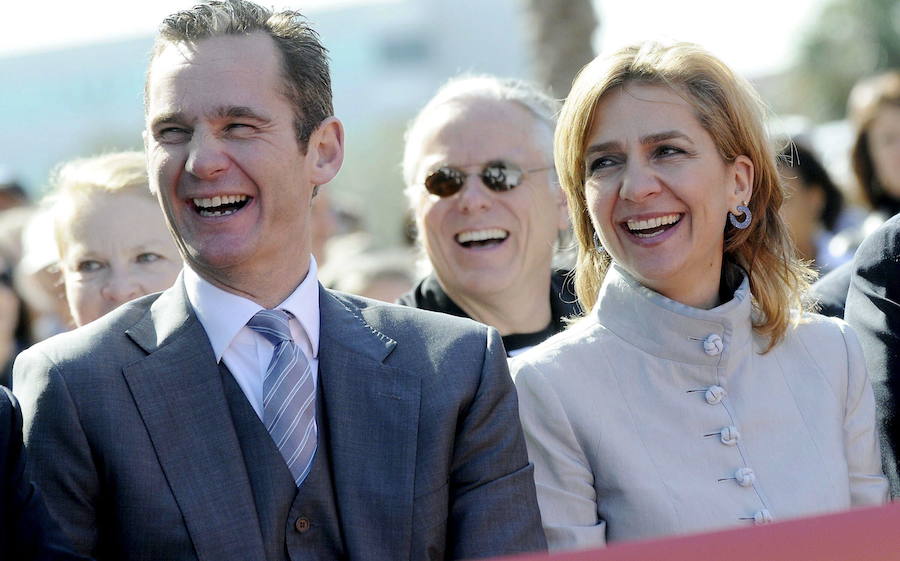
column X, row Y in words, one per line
column 598, row 246
column 741, row 224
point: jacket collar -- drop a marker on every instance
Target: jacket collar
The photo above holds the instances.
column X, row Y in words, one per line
column 671, row 330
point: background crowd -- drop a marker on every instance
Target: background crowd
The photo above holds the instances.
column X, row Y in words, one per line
column 538, row 218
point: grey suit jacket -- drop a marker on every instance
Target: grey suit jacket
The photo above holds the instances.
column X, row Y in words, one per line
column 131, row 436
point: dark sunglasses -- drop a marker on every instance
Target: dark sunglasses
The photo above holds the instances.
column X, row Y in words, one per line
column 446, row 181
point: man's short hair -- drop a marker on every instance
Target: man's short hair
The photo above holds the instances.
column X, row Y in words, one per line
column 303, row 57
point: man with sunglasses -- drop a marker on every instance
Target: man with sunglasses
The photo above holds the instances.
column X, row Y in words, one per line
column 478, row 166
column 248, row 413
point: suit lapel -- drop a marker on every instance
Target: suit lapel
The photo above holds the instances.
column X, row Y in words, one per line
column 178, row 390
column 372, row 414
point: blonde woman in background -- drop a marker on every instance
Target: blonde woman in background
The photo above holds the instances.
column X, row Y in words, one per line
column 696, row 394
column 112, row 238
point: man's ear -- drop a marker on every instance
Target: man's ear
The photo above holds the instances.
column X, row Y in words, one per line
column 742, row 185
column 325, row 151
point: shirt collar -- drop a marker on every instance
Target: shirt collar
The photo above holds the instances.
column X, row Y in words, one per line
column 223, row 314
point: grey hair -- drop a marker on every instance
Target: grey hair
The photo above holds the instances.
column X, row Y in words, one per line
column 468, row 88
column 304, row 59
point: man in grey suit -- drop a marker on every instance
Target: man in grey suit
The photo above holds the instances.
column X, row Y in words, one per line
column 247, row 413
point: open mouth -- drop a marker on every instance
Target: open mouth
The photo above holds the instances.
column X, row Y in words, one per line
column 482, row 238
column 652, row 227
column 220, row 206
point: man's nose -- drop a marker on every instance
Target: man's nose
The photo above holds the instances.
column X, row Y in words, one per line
column 474, row 195
column 207, row 158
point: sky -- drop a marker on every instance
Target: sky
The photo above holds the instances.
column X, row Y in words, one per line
column 755, row 41
column 755, row 38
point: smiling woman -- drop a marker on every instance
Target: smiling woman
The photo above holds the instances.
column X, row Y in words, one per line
column 112, row 238
column 681, row 402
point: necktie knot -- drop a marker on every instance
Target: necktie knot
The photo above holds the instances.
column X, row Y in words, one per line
column 271, row 324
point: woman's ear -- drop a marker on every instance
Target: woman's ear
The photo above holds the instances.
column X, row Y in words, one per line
column 741, row 189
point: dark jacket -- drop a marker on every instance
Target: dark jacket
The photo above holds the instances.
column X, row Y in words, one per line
column 429, row 295
column 27, row 532
column 873, row 309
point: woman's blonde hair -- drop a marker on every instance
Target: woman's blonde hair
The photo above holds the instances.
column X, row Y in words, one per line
column 731, row 112
column 76, row 182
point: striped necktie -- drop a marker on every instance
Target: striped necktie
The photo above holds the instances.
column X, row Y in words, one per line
column 289, row 395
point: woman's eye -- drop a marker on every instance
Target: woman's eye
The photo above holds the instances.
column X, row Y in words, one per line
column 88, row 266
column 668, row 150
column 601, row 163
column 148, row 257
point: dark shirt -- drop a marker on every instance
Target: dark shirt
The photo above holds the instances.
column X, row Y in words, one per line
column 429, row 295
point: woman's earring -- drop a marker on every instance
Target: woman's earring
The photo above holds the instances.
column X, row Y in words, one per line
column 741, row 224
column 597, row 246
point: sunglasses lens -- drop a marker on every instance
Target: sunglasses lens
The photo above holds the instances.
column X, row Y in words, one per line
column 444, row 182
column 500, row 176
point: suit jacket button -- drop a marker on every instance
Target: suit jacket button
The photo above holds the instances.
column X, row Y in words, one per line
column 302, row 524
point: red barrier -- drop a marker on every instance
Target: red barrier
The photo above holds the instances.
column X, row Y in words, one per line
column 868, row 534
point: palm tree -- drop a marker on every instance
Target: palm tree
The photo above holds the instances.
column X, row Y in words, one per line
column 561, row 37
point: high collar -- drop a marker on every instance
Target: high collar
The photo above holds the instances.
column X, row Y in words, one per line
column 670, row 330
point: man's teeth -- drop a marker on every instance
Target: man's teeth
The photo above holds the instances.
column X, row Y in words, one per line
column 210, row 202
column 482, row 235
column 636, row 226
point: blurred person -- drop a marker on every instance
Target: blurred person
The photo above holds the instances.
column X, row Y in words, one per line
column 385, row 274
column 12, row 223
column 247, row 412
column 111, row 237
column 27, row 531
column 874, row 109
column 488, row 208
column 696, row 394
column 873, row 310
column 15, row 334
column 811, row 206
column 38, row 279
column 11, row 194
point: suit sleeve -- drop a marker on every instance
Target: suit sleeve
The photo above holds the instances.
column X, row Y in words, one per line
column 873, row 310
column 493, row 507
column 562, row 474
column 60, row 458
